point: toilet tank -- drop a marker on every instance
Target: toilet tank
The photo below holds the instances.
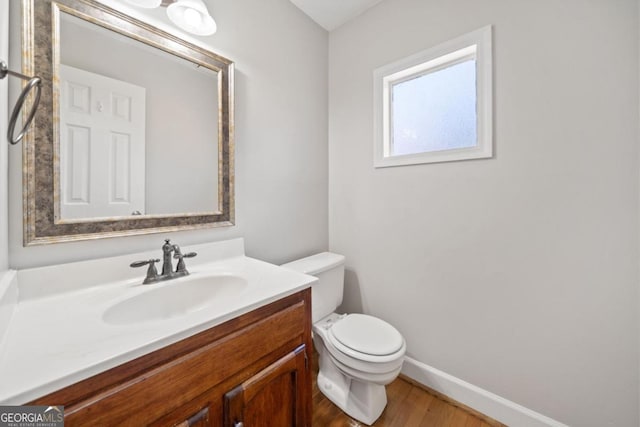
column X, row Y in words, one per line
column 326, row 293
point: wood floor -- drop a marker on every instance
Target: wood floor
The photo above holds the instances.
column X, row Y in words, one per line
column 408, row 406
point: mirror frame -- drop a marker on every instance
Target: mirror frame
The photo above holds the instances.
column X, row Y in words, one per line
column 41, row 189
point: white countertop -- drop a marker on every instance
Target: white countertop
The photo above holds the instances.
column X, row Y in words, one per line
column 60, row 338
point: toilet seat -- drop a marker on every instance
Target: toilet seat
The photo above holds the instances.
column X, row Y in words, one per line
column 367, row 338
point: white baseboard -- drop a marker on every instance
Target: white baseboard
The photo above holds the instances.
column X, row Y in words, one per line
column 485, row 402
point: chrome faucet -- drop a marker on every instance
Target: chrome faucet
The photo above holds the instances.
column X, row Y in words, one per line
column 167, row 265
column 167, row 248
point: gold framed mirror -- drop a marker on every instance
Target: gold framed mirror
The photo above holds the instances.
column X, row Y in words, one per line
column 134, row 132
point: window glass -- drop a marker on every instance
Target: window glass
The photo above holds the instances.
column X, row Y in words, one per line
column 435, row 111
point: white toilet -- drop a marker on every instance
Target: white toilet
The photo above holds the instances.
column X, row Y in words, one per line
column 359, row 354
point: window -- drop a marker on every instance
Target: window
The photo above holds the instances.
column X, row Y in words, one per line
column 436, row 106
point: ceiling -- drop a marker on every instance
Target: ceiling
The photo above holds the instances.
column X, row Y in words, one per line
column 330, row 14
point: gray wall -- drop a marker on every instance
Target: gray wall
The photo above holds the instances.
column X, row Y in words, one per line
column 518, row 274
column 4, row 114
column 280, row 134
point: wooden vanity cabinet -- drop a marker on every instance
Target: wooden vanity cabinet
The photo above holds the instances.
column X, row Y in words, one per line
column 253, row 370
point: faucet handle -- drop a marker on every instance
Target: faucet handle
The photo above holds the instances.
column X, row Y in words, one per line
column 152, row 272
column 187, row 255
column 143, row 263
column 181, row 267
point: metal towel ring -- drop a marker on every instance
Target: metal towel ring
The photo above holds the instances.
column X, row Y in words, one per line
column 33, row 82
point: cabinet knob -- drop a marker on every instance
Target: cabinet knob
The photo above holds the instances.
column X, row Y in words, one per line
column 238, row 424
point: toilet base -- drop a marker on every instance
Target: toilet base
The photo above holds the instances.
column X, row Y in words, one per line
column 363, row 401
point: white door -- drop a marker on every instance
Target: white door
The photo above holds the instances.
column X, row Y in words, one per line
column 102, row 146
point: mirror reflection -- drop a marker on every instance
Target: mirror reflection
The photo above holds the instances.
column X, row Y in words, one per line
column 138, row 127
column 134, row 130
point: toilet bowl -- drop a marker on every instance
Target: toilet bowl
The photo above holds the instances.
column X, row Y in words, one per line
column 358, row 354
column 356, row 365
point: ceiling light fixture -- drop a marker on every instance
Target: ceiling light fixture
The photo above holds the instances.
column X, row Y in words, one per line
column 190, row 15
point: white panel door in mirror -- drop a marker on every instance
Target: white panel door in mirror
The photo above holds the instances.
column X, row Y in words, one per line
column 102, row 146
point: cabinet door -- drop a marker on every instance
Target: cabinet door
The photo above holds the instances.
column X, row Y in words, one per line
column 200, row 419
column 205, row 411
column 275, row 397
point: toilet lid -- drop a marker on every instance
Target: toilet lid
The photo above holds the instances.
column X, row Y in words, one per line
column 367, row 334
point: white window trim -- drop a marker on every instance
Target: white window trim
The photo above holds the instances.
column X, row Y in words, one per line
column 476, row 44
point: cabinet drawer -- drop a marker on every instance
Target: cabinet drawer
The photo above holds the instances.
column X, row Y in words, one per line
column 156, row 392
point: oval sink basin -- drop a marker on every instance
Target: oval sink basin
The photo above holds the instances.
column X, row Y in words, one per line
column 174, row 299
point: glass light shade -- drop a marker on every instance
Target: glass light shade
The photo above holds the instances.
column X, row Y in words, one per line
column 192, row 16
column 147, row 4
